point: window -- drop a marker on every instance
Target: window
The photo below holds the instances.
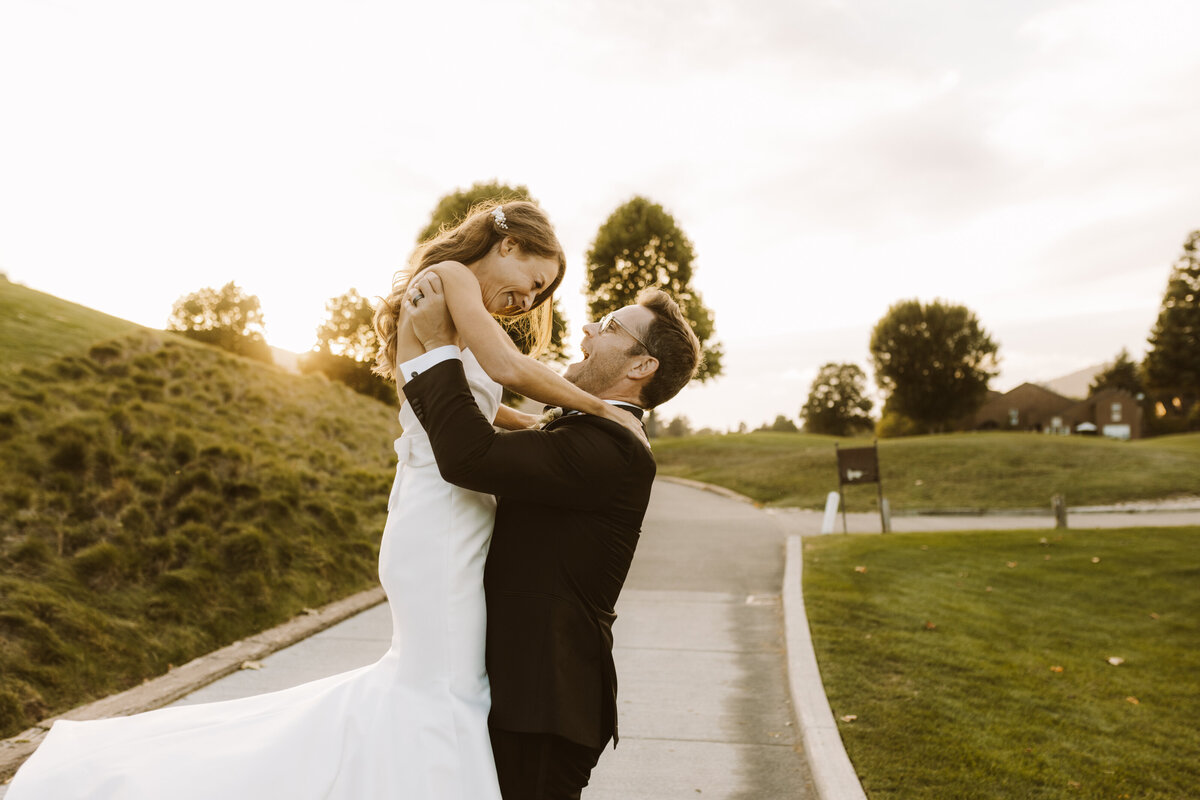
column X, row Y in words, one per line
column 1014, row 417
column 1116, row 412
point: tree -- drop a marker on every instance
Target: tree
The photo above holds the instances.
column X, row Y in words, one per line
column 226, row 317
column 781, row 425
column 349, row 327
column 1122, row 373
column 679, row 427
column 1172, row 365
column 346, row 347
column 639, row 246
column 452, row 209
column 837, row 403
column 933, row 361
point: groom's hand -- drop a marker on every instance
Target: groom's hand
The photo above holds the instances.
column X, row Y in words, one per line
column 427, row 309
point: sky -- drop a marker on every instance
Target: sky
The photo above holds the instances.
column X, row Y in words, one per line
column 1034, row 161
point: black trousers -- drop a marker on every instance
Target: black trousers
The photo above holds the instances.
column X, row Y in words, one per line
column 541, row 766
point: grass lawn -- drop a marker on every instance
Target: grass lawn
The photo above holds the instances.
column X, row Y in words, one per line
column 948, row 471
column 976, row 664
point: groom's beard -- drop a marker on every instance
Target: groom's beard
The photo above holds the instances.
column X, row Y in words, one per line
column 597, row 373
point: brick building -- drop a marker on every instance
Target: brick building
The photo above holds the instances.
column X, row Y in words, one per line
column 1030, row 407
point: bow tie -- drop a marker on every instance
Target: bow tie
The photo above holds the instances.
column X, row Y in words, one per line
column 554, row 412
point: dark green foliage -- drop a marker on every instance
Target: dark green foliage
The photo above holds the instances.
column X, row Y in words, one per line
column 1172, row 365
column 1122, row 373
column 933, row 361
column 226, row 317
column 353, row 373
column 837, row 403
column 642, row 246
column 153, row 526
column 781, row 425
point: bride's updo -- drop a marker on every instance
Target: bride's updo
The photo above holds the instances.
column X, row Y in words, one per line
column 466, row 243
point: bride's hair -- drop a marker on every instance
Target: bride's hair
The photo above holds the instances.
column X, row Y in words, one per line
column 466, row 243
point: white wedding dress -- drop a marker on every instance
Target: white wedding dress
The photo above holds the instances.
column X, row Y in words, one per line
column 412, row 726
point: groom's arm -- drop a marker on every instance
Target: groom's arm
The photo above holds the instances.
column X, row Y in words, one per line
column 572, row 466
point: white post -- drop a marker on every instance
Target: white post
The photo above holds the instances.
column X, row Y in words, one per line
column 831, row 509
column 885, row 515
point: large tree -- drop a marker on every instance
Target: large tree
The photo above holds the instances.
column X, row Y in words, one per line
column 227, row 317
column 349, row 327
column 1172, row 365
column 932, row 361
column 640, row 246
column 453, row 208
column 837, row 402
column 1122, row 373
column 346, row 347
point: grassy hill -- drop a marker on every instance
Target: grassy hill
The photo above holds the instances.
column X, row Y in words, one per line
column 160, row 499
column 952, row 471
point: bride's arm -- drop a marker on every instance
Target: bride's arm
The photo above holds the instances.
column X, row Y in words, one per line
column 512, row 420
column 501, row 359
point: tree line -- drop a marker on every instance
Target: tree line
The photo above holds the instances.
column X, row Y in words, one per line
column 933, row 363
column 639, row 246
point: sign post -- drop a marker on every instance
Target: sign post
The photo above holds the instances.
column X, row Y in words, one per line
column 859, row 465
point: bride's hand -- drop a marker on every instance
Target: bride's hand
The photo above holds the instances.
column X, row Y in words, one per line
column 628, row 421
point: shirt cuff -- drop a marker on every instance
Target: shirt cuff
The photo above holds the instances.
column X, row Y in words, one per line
column 415, row 366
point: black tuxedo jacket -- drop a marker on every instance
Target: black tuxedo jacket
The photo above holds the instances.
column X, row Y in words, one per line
column 571, row 502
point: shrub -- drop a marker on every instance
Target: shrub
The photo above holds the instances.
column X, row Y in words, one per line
column 198, row 507
column 115, row 498
column 136, row 521
column 247, row 550
column 104, row 352
column 183, row 449
column 892, row 425
column 99, row 566
column 32, row 553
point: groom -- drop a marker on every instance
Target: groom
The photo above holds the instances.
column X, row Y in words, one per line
column 571, row 501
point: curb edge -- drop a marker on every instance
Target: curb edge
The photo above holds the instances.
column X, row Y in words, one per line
column 832, row 772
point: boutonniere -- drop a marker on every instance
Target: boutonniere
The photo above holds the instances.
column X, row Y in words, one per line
column 547, row 418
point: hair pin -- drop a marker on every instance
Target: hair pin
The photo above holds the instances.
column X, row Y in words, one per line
column 498, row 215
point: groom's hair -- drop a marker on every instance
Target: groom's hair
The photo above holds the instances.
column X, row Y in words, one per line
column 671, row 340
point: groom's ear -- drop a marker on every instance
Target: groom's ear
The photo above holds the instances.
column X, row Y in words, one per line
column 643, row 368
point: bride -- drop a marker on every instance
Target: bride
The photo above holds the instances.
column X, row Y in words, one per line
column 413, row 725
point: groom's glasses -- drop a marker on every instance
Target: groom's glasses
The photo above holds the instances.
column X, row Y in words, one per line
column 609, row 320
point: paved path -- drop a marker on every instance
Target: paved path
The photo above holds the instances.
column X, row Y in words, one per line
column 700, row 656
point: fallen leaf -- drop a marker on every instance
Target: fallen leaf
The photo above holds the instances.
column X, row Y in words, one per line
column 251, row 665
column 310, row 611
column 1095, row 559
column 1132, row 700
column 1056, row 669
column 1074, row 784
column 924, row 547
column 1011, row 564
column 1046, row 557
column 1153, row 615
column 988, row 589
column 930, row 626
column 1043, row 540
column 849, row 718
column 860, row 569
column 1116, row 661
column 918, row 482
